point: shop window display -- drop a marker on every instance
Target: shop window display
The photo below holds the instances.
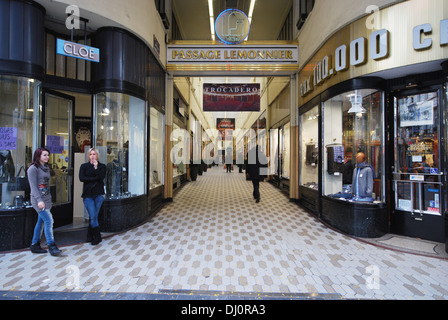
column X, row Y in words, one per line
column 285, row 156
column 309, row 175
column 156, row 149
column 178, row 157
column 120, row 132
column 18, row 105
column 353, row 144
column 417, row 154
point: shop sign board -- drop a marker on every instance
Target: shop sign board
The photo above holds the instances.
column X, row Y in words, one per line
column 231, row 97
column 200, row 54
column 77, row 50
column 357, row 49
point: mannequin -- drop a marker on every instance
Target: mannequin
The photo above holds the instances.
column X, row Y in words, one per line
column 363, row 175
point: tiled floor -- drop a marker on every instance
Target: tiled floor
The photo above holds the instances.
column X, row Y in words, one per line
column 214, row 237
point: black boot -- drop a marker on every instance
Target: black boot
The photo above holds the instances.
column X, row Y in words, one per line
column 89, row 234
column 96, row 236
column 54, row 251
column 36, row 248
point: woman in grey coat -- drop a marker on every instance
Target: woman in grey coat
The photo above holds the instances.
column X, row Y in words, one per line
column 39, row 179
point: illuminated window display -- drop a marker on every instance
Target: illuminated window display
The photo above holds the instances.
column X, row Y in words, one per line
column 178, row 163
column 156, row 162
column 353, row 140
column 120, row 132
column 18, row 107
column 309, row 173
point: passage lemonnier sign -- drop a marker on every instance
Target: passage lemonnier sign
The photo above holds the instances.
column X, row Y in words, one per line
column 232, row 57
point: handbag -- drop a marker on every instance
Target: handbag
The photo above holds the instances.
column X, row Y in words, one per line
column 19, row 183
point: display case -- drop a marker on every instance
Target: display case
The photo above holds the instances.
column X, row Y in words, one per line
column 177, row 157
column 156, row 163
column 353, row 141
column 120, row 131
column 309, row 159
column 353, row 165
column 18, row 124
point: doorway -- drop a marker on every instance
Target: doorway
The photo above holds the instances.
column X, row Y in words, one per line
column 417, row 178
column 57, row 125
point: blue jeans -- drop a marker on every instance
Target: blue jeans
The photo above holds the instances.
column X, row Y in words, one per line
column 93, row 206
column 44, row 223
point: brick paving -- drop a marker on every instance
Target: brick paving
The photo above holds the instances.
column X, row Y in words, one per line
column 215, row 238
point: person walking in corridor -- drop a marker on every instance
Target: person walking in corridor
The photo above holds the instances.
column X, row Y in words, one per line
column 256, row 161
column 39, row 180
column 92, row 174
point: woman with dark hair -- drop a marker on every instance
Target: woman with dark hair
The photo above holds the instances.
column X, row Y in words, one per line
column 39, row 179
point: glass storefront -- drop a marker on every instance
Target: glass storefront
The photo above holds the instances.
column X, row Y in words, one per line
column 119, row 131
column 309, row 162
column 273, row 146
column 285, row 141
column 157, row 125
column 417, row 154
column 353, row 147
column 19, row 123
column 178, row 157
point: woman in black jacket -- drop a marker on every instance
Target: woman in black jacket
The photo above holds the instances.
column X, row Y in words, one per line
column 92, row 174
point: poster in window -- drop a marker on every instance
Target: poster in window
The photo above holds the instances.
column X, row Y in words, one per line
column 417, row 113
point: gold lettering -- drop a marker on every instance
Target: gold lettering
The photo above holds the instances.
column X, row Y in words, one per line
column 233, row 54
column 261, row 54
column 252, row 54
column 282, row 54
column 289, row 54
column 175, row 53
column 269, row 54
column 242, row 54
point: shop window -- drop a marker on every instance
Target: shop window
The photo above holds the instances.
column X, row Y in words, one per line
column 18, row 108
column 179, row 156
column 285, row 149
column 417, row 155
column 309, row 174
column 353, row 145
column 121, row 140
column 274, row 154
column 156, row 177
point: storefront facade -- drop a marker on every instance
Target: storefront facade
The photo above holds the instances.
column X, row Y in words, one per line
column 380, row 92
column 67, row 104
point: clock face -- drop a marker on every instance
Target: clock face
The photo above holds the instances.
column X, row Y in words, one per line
column 82, row 135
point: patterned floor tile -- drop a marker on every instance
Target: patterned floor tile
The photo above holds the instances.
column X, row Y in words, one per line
column 214, row 237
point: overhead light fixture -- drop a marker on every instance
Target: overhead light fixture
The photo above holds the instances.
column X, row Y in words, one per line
column 356, row 101
column 251, row 11
column 212, row 18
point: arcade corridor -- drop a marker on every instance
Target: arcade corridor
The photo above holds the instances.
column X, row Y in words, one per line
column 215, row 238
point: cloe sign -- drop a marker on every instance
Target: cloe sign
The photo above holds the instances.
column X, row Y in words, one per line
column 78, row 51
